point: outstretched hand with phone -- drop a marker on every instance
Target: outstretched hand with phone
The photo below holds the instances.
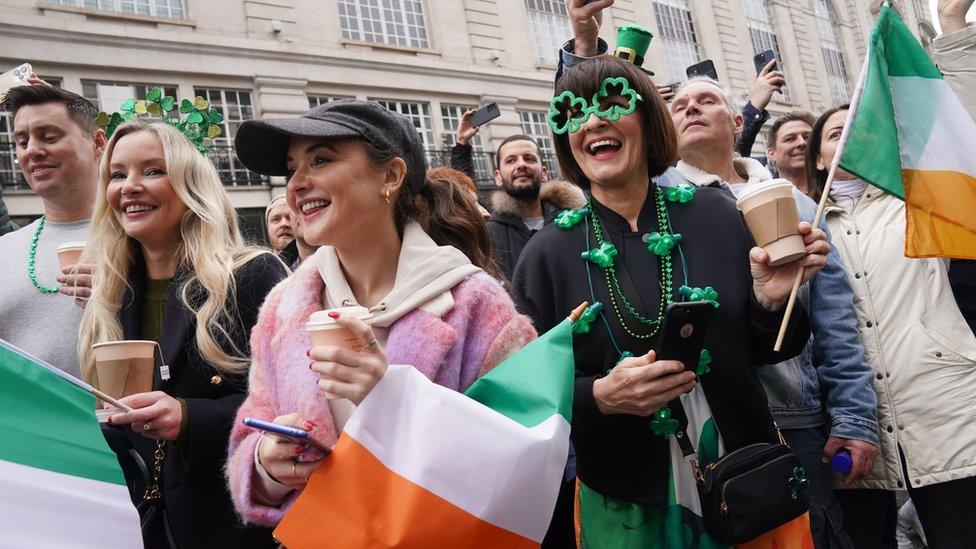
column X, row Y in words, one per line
column 641, row 385
column 465, row 131
column 586, row 17
column 769, row 81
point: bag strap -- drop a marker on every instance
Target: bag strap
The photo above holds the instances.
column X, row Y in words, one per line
column 684, row 441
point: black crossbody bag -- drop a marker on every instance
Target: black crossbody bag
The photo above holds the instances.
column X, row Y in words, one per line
column 748, row 492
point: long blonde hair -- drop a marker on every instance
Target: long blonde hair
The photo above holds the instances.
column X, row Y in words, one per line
column 210, row 250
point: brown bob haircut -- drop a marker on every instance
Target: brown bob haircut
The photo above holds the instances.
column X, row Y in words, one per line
column 584, row 79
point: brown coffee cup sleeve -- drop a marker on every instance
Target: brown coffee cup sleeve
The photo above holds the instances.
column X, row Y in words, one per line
column 773, row 220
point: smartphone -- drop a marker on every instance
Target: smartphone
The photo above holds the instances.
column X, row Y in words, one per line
column 762, row 59
column 13, row 78
column 705, row 68
column 293, row 434
column 683, row 333
column 485, row 114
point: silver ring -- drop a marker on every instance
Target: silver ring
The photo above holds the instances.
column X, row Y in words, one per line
column 372, row 344
column 146, row 427
column 294, row 469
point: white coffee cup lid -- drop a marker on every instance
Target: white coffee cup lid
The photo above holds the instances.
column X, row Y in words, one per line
column 68, row 245
column 321, row 319
column 755, row 188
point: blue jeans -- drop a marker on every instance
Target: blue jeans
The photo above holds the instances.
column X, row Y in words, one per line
column 826, row 516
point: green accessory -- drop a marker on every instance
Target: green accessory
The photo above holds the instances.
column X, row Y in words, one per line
column 661, row 244
column 582, row 326
column 602, row 256
column 700, row 294
column 200, row 121
column 31, row 261
column 567, row 219
column 568, row 113
column 704, row 361
column 608, row 106
column 797, row 484
column 632, row 44
column 681, row 193
column 663, row 425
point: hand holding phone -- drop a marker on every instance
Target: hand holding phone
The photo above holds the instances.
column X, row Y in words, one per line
column 13, row 78
column 294, row 434
column 683, row 333
column 760, row 60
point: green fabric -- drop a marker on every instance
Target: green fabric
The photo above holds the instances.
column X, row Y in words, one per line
column 614, row 524
column 708, row 442
column 535, row 383
column 872, row 150
column 634, row 37
column 49, row 423
column 154, row 310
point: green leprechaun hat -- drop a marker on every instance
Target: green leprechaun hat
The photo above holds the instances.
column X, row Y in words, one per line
column 632, row 44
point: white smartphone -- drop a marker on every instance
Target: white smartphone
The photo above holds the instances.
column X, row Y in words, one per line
column 13, row 78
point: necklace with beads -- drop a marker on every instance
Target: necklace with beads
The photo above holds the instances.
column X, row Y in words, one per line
column 663, row 243
column 31, row 261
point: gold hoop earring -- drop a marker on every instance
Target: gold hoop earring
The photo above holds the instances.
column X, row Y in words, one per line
column 387, row 196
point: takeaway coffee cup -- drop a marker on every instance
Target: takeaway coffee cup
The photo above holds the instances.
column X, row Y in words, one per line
column 124, row 368
column 324, row 330
column 69, row 253
column 770, row 212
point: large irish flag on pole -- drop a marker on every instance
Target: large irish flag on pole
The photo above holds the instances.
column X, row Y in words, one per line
column 911, row 137
column 418, row 465
column 60, row 484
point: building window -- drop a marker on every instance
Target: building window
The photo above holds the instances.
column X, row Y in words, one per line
column 451, row 118
column 168, row 9
column 396, row 22
column 832, row 52
column 535, row 126
column 316, row 100
column 763, row 33
column 678, row 34
column 236, row 107
column 109, row 96
column 550, row 27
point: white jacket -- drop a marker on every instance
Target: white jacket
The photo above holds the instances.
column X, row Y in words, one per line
column 920, row 348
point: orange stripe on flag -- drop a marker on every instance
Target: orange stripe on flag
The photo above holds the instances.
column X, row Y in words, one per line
column 353, row 500
column 941, row 214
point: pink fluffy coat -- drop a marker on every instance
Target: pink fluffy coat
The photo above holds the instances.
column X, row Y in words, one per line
column 480, row 331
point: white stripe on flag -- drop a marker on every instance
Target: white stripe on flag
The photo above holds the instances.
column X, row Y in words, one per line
column 944, row 139
column 463, row 452
column 40, row 508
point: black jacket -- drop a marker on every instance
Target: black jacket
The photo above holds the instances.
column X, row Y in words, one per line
column 617, row 455
column 198, row 504
column 507, row 230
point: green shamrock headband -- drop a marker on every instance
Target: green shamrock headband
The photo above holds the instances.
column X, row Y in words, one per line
column 568, row 113
column 201, row 122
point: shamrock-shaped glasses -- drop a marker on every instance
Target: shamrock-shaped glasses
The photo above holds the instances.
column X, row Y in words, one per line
column 615, row 98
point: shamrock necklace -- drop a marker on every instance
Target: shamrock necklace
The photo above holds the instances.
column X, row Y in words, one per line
column 31, row 260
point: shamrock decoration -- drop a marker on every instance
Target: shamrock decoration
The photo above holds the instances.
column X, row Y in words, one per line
column 700, row 294
column 682, row 193
column 567, row 219
column 614, row 110
column 582, row 325
column 661, row 244
column 663, row 425
column 798, row 483
column 566, row 106
column 201, row 121
column 704, row 361
column 602, row 256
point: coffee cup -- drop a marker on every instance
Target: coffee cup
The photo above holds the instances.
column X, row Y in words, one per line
column 124, row 368
column 324, row 330
column 770, row 212
column 69, row 253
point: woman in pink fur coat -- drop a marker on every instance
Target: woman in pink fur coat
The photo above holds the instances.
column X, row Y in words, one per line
column 357, row 177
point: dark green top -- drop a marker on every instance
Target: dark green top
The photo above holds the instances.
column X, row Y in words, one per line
column 154, row 310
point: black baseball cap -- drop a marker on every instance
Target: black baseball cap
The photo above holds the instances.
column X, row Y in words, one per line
column 262, row 145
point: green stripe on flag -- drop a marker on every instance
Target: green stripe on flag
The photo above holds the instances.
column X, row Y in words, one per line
column 48, row 423
column 533, row 384
column 904, row 54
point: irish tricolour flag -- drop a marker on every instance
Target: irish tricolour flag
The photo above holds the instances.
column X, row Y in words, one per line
column 911, row 137
column 418, row 465
column 60, row 484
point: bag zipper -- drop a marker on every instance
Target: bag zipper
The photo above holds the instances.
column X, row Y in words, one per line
column 728, row 465
column 724, row 506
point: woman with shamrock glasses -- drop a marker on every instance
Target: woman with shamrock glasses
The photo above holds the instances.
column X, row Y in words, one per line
column 171, row 267
column 648, row 238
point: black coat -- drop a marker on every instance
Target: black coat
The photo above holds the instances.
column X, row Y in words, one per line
column 198, row 504
column 617, row 455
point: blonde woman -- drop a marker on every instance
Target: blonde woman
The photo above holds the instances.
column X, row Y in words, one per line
column 171, row 267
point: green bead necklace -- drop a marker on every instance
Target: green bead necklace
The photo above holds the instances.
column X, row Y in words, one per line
column 31, row 260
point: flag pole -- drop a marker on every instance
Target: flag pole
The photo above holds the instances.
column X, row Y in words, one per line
column 845, row 134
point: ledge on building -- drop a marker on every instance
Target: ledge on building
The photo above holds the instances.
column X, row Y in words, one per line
column 392, row 47
column 117, row 16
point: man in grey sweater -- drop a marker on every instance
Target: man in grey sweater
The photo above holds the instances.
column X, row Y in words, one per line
column 58, row 148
